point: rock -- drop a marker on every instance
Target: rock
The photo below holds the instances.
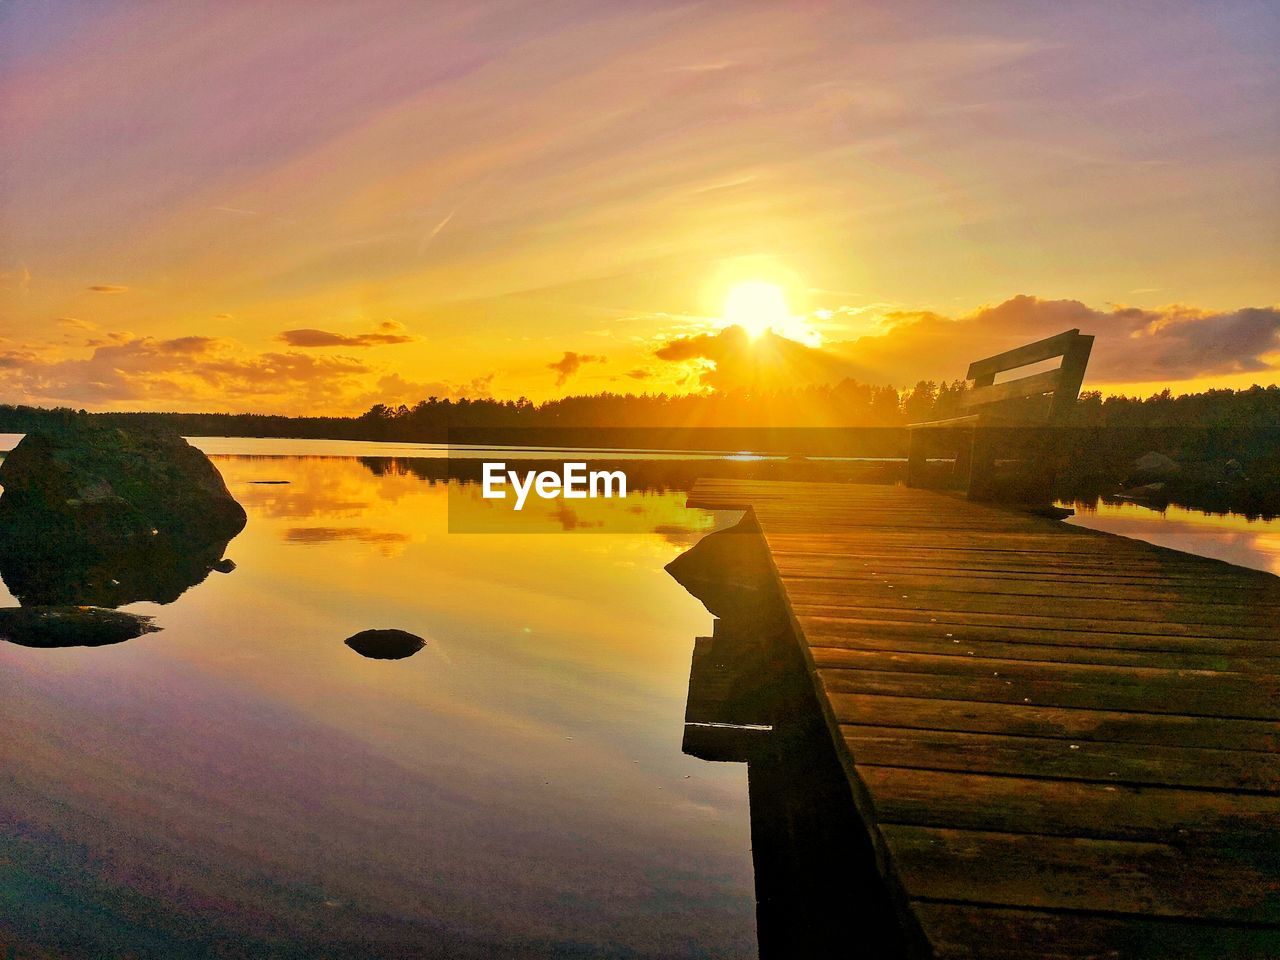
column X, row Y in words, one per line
column 1153, row 466
column 102, row 517
column 108, row 486
column 385, row 644
column 730, row 572
column 42, row 626
column 224, row 565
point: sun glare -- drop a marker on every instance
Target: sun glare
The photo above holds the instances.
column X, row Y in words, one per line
column 757, row 307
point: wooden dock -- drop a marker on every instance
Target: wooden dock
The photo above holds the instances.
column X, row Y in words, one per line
column 1063, row 743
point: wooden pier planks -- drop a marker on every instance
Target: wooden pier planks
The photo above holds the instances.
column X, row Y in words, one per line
column 1064, row 742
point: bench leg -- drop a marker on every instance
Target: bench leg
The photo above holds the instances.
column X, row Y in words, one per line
column 978, row 479
column 962, row 473
column 915, row 460
column 1041, row 468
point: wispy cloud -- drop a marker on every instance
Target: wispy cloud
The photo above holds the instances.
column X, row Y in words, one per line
column 571, row 363
column 388, row 332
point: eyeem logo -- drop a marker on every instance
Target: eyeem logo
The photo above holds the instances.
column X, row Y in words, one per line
column 575, row 483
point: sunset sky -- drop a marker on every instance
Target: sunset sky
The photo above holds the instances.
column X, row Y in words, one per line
column 310, row 207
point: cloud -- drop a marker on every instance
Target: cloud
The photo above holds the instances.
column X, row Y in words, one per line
column 193, row 372
column 571, row 363
column 107, row 288
column 730, row 360
column 16, row 359
column 76, row 323
column 1132, row 345
column 639, row 373
column 388, row 332
column 18, row 279
column 331, row 534
column 392, row 389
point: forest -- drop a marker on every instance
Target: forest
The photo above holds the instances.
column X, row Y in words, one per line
column 1239, row 419
column 1226, row 442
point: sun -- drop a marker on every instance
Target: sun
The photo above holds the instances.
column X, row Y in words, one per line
column 756, row 306
column 760, row 307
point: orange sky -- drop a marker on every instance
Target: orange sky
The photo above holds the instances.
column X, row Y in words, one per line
column 310, row 208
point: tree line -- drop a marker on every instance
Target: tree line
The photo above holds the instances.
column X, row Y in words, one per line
column 1236, row 420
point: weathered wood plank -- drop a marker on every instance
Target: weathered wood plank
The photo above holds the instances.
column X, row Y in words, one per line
column 1191, row 612
column 1207, row 701
column 1138, row 764
column 1074, row 873
column 1066, row 652
column 1070, row 808
column 1046, row 349
column 966, row 932
column 1038, row 582
column 836, row 606
column 1075, row 725
column 939, row 633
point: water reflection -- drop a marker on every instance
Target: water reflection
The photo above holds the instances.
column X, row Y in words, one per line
column 818, row 893
column 750, row 700
column 245, row 785
column 1234, row 538
column 159, row 571
column 71, row 626
column 72, row 549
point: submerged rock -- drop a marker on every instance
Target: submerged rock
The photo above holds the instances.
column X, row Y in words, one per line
column 71, row 626
column 385, row 644
column 97, row 516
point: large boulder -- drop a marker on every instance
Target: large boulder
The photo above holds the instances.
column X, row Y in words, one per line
column 100, row 516
column 1152, row 467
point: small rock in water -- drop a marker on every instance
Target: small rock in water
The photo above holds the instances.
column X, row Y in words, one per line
column 224, row 565
column 43, row 626
column 385, row 644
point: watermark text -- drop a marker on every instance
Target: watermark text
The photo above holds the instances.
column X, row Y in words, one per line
column 574, row 482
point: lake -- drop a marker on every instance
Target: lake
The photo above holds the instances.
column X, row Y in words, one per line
column 1224, row 536
column 242, row 784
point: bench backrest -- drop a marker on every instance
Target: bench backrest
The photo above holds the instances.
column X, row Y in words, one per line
column 1057, row 388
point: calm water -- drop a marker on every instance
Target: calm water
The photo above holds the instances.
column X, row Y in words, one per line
column 1230, row 537
column 243, row 784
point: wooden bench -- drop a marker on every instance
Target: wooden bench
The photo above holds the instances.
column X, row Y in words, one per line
column 1011, row 417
